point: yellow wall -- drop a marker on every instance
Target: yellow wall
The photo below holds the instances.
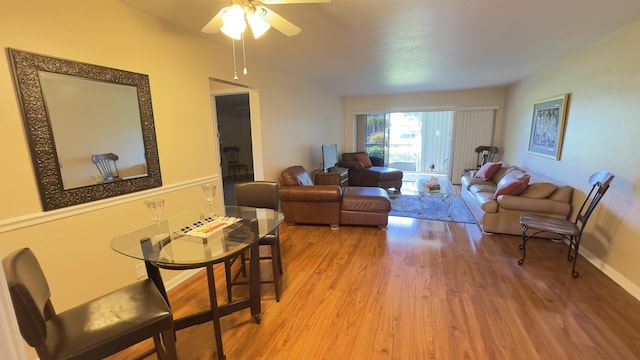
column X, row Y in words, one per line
column 601, row 132
column 73, row 244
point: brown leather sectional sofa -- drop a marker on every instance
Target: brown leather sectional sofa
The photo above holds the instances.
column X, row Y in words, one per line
column 302, row 202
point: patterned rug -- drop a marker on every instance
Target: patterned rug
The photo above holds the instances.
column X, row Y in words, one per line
column 433, row 209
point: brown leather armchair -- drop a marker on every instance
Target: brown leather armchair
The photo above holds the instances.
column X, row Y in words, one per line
column 303, row 202
column 362, row 172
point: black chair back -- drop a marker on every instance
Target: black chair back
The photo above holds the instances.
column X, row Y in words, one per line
column 259, row 194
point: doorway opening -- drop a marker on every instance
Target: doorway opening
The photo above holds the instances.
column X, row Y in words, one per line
column 233, row 115
column 417, row 143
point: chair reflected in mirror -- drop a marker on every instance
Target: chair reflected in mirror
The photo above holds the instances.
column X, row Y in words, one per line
column 106, row 164
column 562, row 229
column 234, row 167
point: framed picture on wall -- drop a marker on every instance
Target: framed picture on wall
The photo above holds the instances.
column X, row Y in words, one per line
column 547, row 126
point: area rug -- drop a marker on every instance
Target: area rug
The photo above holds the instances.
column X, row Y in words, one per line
column 434, row 209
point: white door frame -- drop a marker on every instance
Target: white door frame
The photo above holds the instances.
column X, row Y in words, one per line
column 256, row 126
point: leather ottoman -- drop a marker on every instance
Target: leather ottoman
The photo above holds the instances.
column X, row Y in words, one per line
column 365, row 206
column 383, row 177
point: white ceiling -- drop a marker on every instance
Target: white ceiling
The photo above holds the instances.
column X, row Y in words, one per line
column 364, row 47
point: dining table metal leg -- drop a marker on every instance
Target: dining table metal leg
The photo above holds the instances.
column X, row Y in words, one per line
column 215, row 314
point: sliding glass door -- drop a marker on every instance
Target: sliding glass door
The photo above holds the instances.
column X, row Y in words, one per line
column 410, row 141
column 373, row 136
column 433, row 142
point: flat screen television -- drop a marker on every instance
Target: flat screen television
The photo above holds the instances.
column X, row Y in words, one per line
column 329, row 157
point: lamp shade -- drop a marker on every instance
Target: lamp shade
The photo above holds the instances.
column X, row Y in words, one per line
column 257, row 24
column 233, row 22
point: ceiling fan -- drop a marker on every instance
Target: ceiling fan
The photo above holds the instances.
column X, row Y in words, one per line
column 231, row 19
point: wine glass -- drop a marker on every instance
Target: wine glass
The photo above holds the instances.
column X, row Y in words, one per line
column 156, row 208
column 210, row 192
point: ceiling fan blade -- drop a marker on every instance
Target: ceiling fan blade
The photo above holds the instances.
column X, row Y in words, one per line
column 277, row 22
column 215, row 24
column 294, row 1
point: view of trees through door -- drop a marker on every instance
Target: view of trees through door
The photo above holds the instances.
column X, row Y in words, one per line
column 418, row 142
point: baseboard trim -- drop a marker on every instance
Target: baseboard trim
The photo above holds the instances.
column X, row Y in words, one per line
column 612, row 273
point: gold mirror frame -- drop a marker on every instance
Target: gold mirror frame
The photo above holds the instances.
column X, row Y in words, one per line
column 39, row 133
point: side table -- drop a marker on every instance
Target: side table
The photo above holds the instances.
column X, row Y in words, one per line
column 337, row 176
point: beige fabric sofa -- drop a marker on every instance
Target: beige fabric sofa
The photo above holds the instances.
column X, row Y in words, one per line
column 543, row 195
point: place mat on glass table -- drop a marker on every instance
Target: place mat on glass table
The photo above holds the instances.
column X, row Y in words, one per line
column 205, row 227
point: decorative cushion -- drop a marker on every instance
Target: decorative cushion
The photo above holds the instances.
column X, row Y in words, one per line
column 539, row 190
column 512, row 186
column 364, row 159
column 515, row 172
column 487, row 170
column 507, row 178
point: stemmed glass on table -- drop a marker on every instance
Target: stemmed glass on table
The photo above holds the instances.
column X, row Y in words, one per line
column 210, row 192
column 156, row 208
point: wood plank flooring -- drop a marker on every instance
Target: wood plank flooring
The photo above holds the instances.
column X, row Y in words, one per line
column 419, row 290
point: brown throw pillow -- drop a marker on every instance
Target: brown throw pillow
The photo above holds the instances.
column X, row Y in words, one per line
column 487, row 170
column 514, row 186
column 364, row 159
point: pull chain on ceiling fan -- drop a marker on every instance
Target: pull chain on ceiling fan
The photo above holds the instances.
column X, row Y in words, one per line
column 232, row 21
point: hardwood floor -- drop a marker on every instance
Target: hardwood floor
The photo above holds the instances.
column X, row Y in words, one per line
column 420, row 290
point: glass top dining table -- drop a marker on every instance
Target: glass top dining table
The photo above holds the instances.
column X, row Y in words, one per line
column 195, row 238
column 198, row 239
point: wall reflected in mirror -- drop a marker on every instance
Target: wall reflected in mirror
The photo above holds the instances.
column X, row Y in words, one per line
column 73, row 111
column 91, row 117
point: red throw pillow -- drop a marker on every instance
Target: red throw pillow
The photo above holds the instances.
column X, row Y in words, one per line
column 515, row 186
column 364, row 159
column 487, row 170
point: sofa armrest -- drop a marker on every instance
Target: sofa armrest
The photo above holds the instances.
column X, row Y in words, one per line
column 544, row 206
column 351, row 165
column 469, row 172
column 315, row 193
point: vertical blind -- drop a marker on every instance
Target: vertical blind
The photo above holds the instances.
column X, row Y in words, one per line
column 471, row 128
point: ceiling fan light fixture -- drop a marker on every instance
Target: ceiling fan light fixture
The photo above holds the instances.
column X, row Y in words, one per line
column 233, row 22
column 257, row 24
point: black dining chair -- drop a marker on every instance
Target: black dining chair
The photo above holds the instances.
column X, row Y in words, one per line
column 259, row 194
column 563, row 229
column 92, row 330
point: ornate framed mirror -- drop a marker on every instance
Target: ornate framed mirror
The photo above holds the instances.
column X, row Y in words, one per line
column 73, row 111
